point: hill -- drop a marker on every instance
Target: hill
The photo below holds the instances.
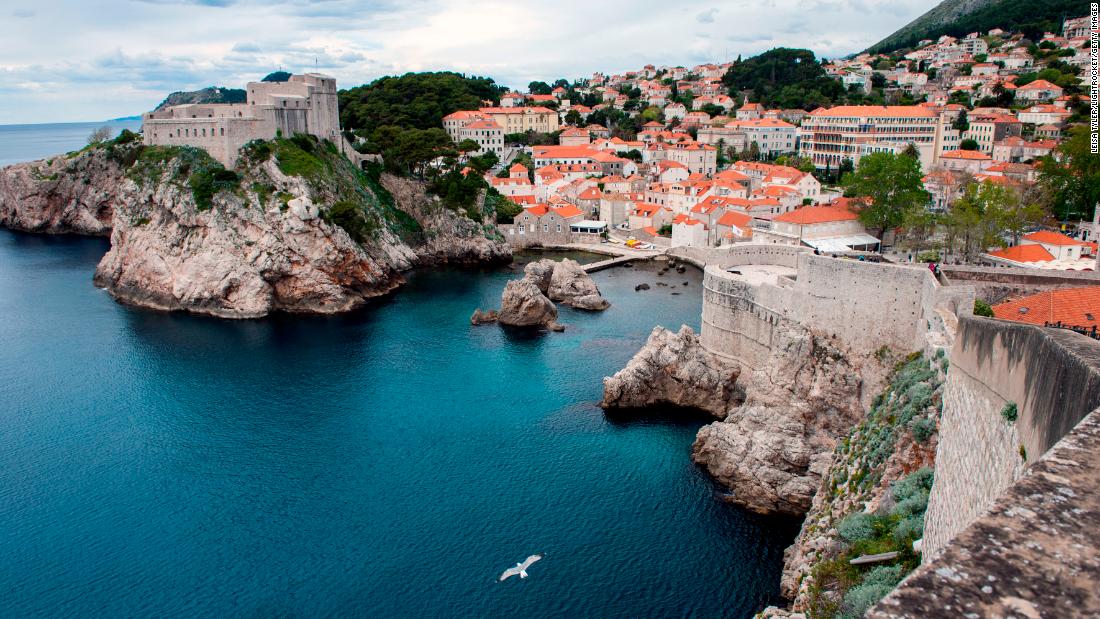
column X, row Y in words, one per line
column 960, row 17
column 413, row 100
column 210, row 94
column 785, row 78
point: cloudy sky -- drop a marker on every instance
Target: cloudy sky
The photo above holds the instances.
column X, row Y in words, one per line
column 90, row 60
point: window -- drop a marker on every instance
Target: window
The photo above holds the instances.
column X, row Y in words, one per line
column 223, row 131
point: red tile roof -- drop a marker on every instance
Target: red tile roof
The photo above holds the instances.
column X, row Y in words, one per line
column 1024, row 253
column 817, row 215
column 1052, row 238
column 1078, row 307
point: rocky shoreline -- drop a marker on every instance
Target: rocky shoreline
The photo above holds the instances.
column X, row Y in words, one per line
column 529, row 301
column 187, row 235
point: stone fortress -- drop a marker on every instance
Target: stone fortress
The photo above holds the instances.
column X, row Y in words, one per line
column 303, row 104
column 1010, row 526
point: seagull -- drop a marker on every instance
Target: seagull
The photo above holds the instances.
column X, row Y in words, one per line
column 520, row 568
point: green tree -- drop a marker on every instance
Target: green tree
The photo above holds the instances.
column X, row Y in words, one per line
column 968, row 144
column 468, row 146
column 962, row 123
column 539, row 88
column 573, row 117
column 887, row 187
column 1072, row 177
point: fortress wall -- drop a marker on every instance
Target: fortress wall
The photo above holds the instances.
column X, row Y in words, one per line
column 1053, row 377
column 735, row 326
column 740, row 254
column 866, row 305
column 1034, row 553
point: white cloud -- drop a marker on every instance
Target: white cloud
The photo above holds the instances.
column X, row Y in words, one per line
column 121, row 57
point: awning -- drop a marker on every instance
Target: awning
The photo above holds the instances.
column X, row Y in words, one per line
column 588, row 225
column 841, row 243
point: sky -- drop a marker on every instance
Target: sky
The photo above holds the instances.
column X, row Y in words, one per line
column 92, row 60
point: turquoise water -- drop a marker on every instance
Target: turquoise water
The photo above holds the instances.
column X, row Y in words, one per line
column 20, row 143
column 387, row 463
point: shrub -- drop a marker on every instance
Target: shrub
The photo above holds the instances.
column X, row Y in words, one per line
column 352, row 219
column 922, row 430
column 294, row 160
column 912, row 505
column 908, row 529
column 981, row 308
column 856, row 527
column 861, row 597
column 889, row 575
column 1009, row 412
column 913, row 484
column 928, row 256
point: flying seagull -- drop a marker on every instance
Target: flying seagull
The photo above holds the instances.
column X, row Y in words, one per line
column 520, row 568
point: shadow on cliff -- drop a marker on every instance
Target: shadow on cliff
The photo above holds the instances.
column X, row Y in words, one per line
column 658, row 415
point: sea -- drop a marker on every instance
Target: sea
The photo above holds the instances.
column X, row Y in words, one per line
column 388, row 462
column 20, row 143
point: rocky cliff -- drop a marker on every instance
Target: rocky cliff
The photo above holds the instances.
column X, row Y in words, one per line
column 871, row 499
column 674, row 369
column 773, row 450
column 294, row 227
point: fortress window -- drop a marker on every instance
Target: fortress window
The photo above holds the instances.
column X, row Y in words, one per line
column 223, row 130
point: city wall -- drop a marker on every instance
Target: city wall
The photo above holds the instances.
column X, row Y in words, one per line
column 1005, row 535
column 1052, row 377
column 866, row 305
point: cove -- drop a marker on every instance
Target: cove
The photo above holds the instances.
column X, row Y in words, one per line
column 385, row 463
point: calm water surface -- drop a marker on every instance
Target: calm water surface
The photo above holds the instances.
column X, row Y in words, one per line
column 387, row 463
column 20, row 143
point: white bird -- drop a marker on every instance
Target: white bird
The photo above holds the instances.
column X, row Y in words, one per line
column 520, row 568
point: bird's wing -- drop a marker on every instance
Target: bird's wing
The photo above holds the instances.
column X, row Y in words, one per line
column 508, row 573
column 530, row 560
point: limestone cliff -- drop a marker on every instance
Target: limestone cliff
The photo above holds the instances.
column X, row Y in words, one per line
column 674, row 369
column 871, row 499
column 773, row 450
column 61, row 195
column 294, row 227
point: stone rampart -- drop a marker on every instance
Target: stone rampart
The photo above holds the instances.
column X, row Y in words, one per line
column 1051, row 376
column 866, row 305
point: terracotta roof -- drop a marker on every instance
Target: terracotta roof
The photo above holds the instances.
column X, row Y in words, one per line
column 817, row 215
column 734, row 218
column 1040, row 85
column 1079, row 307
column 1052, row 238
column 876, row 111
column 568, row 210
column 972, row 155
column 1024, row 253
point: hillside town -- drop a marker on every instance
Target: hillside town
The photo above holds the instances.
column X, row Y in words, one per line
column 665, row 156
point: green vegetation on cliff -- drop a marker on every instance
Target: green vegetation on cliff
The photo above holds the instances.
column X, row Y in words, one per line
column 897, row 431
column 961, row 17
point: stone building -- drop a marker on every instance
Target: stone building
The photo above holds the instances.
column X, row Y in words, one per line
column 303, row 104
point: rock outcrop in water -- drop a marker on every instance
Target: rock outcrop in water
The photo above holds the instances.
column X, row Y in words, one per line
column 523, row 305
column 295, row 227
column 773, row 450
column 566, row 282
column 674, row 369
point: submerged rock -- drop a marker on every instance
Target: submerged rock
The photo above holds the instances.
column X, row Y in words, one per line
column 641, row 286
column 483, row 318
column 674, row 369
column 523, row 305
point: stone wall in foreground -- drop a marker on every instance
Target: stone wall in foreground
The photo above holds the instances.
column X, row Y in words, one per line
column 1034, row 553
column 1052, row 376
